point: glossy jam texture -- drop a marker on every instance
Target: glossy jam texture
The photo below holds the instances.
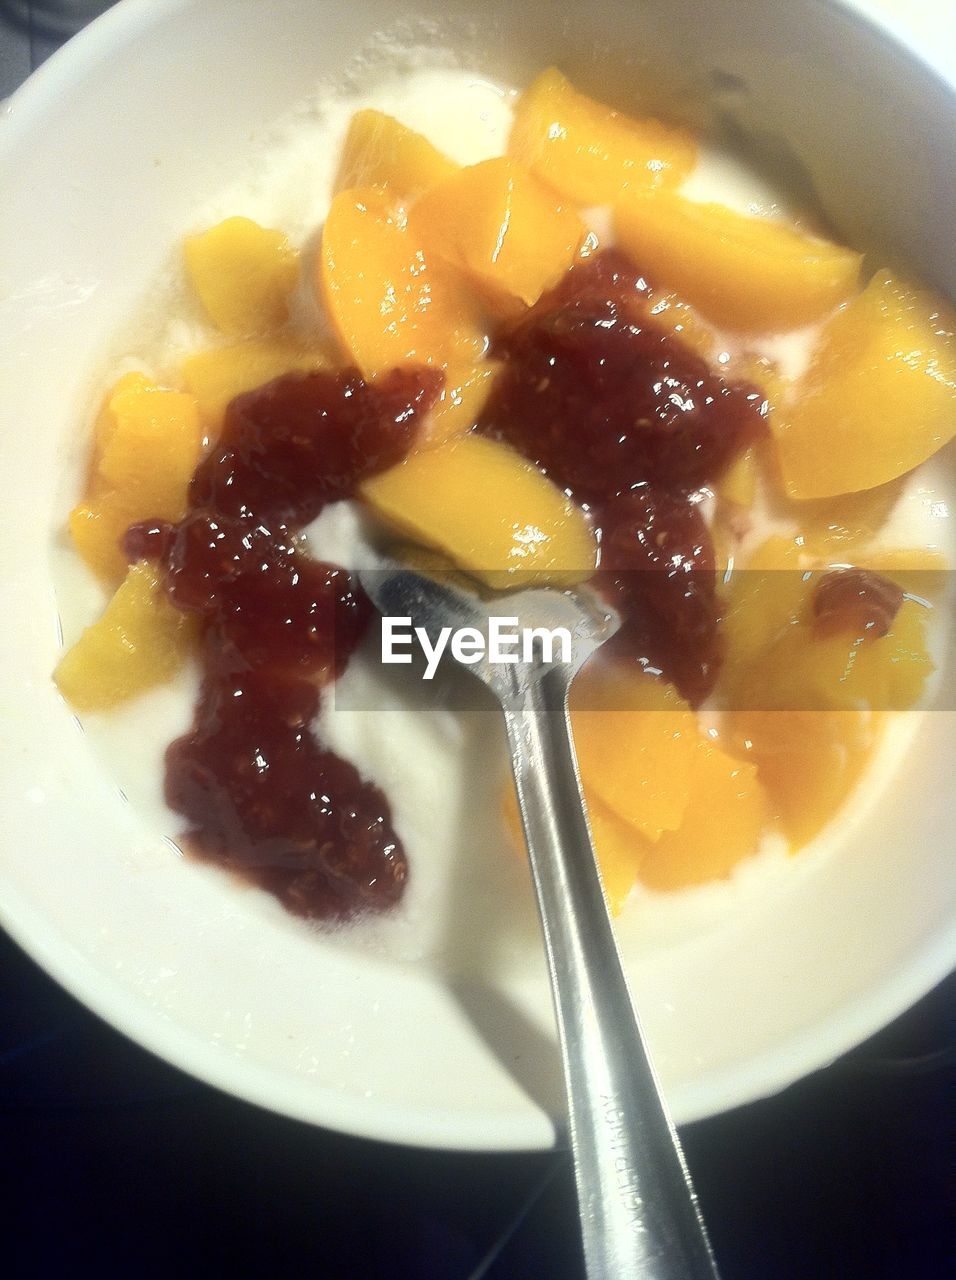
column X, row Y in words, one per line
column 262, row 796
column 603, row 398
column 658, row 570
column 268, row 604
column 305, row 440
column 623, row 414
column 856, row 600
column 265, row 799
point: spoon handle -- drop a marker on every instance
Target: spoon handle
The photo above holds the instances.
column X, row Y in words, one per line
column 639, row 1215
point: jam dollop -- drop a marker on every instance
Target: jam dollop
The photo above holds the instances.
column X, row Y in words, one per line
column 658, row 570
column 265, row 799
column 625, row 416
column 603, row 399
column 856, row 600
column 304, row 440
column 269, row 605
column 261, row 794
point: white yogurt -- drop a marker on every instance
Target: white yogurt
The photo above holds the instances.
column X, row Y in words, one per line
column 443, row 772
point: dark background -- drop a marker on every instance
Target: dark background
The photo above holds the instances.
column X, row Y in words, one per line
column 117, row 1163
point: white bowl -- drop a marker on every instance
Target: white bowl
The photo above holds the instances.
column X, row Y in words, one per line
column 105, row 154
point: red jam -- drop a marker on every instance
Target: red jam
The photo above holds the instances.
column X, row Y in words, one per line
column 658, row 570
column 266, row 800
column 856, row 600
column 270, row 606
column 261, row 794
column 305, row 440
column 603, row 399
column 627, row 418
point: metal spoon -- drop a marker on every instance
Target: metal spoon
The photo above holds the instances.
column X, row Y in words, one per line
column 639, row 1214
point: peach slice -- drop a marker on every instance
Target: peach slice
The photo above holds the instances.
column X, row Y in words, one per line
column 243, row 275
column 724, row 822
column 879, row 397
column 808, row 761
column 391, row 303
column 141, row 640
column 502, row 228
column 635, row 739
column 379, row 151
column 844, row 526
column 147, row 443
column 152, row 453
column 124, row 392
column 589, row 153
column 724, row 811
column 620, row 850
column 778, row 659
column 97, row 526
column 460, row 404
column 904, row 665
column 812, row 708
column 738, row 484
column 491, row 512
column 766, row 595
column 921, row 571
column 220, row 374
column 618, row 846
column 746, row 274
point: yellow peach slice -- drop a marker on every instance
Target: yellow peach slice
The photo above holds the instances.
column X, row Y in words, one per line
column 723, row 814
column 843, row 527
column 808, row 761
column 812, row 708
column 804, row 668
column 620, row 849
column 879, row 397
column 391, row 304
column 96, row 527
column 921, row 571
column 141, row 640
column 746, row 274
column 217, row 376
column 901, row 661
column 491, row 512
column 725, row 819
column 764, row 596
column 635, row 739
column 618, row 846
column 148, row 442
column 122, row 392
column 153, row 450
column 460, row 404
column 379, row 151
column 738, row 484
column 502, row 228
column 243, row 275
column 589, row 153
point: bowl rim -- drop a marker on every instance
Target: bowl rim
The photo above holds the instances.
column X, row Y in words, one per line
column 768, row 1072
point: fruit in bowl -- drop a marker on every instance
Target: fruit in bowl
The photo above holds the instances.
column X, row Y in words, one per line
column 540, row 403
column 218, row 976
